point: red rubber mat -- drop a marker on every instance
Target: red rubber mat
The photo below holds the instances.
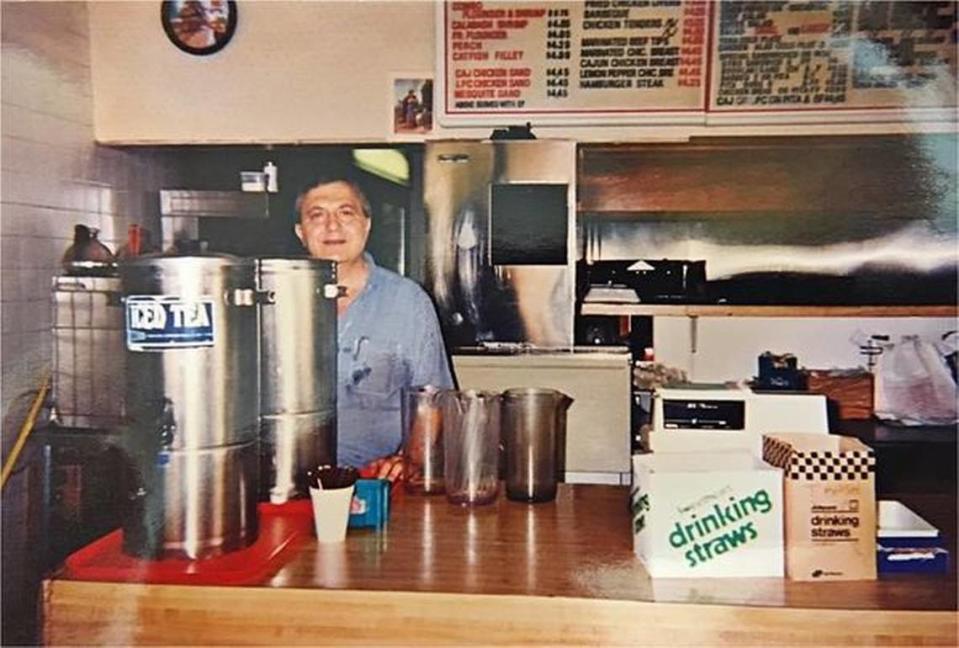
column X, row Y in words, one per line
column 282, row 528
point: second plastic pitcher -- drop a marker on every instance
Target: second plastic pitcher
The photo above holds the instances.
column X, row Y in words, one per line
column 471, row 430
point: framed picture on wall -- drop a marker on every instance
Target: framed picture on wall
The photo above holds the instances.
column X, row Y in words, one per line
column 199, row 27
column 411, row 105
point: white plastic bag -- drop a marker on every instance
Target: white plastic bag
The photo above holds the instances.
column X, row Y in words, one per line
column 914, row 385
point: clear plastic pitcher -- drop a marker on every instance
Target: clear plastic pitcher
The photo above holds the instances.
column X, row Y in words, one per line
column 471, row 430
column 534, row 438
column 423, row 440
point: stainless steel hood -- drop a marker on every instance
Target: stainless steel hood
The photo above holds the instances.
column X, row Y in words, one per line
column 501, row 240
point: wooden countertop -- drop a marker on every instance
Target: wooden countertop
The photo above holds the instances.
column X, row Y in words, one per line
column 562, row 572
column 579, row 545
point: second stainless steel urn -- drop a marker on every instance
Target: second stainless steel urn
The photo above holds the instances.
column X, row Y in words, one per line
column 297, row 373
column 192, row 347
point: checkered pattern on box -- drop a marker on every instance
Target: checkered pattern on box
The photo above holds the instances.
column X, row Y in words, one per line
column 858, row 464
column 819, row 465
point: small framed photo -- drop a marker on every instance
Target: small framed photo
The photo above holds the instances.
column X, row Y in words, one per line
column 411, row 105
column 199, row 27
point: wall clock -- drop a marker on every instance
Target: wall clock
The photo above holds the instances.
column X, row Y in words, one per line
column 199, row 27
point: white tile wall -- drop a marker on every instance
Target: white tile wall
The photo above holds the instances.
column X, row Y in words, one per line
column 54, row 176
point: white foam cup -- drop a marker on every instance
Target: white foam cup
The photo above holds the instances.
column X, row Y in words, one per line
column 331, row 513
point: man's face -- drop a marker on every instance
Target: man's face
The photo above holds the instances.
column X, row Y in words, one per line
column 332, row 223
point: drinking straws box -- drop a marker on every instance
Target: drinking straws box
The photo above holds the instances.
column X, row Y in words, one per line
column 830, row 495
column 699, row 515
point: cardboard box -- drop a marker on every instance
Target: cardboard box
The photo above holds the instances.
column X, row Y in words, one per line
column 698, row 515
column 850, row 393
column 830, row 499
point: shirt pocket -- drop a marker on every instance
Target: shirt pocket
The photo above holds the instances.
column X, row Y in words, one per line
column 377, row 376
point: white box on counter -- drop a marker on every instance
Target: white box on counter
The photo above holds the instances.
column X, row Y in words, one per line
column 896, row 520
column 907, row 543
column 709, row 418
column 702, row 441
column 703, row 515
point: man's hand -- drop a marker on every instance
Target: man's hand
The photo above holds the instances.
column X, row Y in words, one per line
column 389, row 467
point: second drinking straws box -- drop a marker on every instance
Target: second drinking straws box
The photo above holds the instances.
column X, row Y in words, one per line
column 830, row 496
column 699, row 515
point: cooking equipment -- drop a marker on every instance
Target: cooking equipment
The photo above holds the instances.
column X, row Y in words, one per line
column 196, row 503
column 728, row 417
column 297, row 372
column 86, row 248
column 534, row 438
column 182, row 209
column 471, row 430
column 88, row 358
column 423, row 440
column 193, row 406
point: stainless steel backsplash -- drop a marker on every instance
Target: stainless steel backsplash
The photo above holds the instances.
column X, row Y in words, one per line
column 477, row 300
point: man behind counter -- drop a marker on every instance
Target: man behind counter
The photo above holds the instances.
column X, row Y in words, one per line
column 389, row 336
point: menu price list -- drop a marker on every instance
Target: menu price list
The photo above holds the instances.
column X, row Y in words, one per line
column 834, row 54
column 634, row 56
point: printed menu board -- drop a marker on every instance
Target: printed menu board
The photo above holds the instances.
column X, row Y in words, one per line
column 833, row 55
column 608, row 60
column 686, row 61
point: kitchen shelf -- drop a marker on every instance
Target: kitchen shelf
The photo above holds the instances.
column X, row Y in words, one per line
column 720, row 310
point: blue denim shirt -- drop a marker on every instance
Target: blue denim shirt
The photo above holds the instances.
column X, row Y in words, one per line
column 389, row 338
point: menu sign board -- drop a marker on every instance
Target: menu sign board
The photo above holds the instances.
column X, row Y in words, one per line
column 833, row 55
column 609, row 60
column 686, row 61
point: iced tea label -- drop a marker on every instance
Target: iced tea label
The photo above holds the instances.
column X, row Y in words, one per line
column 157, row 322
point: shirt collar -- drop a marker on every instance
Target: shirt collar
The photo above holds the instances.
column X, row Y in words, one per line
column 374, row 278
